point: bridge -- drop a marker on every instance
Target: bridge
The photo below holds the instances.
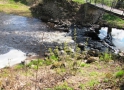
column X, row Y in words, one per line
column 108, row 6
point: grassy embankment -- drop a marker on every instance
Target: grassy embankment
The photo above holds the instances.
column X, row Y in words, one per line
column 11, row 7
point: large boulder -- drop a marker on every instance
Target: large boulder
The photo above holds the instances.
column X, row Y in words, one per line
column 63, row 13
column 60, row 13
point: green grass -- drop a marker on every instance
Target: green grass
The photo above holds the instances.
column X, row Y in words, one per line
column 105, row 2
column 64, row 86
column 11, row 7
column 113, row 20
column 84, row 65
column 89, row 85
column 94, row 73
column 19, row 66
column 79, row 1
column 93, row 82
column 15, row 1
column 105, row 57
column 119, row 74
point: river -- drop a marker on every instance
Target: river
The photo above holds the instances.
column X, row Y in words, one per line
column 21, row 37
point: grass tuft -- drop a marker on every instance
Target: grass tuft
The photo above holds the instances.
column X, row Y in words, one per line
column 119, row 74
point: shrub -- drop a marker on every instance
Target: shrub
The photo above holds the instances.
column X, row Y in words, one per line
column 105, row 57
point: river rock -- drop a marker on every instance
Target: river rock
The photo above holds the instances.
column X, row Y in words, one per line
column 92, row 59
column 121, row 53
column 51, row 25
column 94, row 52
column 56, row 12
column 58, row 65
column 46, row 54
column 62, row 52
column 81, row 45
column 26, row 62
column 92, row 34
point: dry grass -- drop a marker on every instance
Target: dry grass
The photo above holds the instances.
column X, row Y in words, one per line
column 45, row 78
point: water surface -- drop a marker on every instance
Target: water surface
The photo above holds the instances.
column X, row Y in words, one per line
column 117, row 36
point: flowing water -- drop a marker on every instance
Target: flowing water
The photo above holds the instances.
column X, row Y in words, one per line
column 21, row 36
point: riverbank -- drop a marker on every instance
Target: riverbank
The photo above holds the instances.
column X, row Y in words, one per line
column 74, row 71
column 15, row 8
